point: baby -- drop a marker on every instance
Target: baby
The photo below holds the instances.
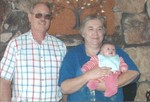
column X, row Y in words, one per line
column 106, row 58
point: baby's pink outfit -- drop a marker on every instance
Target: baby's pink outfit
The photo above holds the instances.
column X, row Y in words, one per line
column 110, row 80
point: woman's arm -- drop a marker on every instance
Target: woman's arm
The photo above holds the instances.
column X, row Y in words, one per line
column 71, row 85
column 74, row 84
column 127, row 77
column 123, row 79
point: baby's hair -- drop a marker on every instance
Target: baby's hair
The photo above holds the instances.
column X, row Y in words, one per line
column 108, row 42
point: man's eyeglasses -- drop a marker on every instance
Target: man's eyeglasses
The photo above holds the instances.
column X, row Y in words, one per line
column 40, row 15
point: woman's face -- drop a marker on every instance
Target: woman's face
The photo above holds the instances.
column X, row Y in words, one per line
column 93, row 33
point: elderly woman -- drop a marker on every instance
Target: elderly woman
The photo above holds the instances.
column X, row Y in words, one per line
column 71, row 79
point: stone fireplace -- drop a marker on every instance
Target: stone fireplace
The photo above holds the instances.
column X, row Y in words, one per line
column 132, row 33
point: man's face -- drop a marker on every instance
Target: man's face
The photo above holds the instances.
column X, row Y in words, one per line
column 40, row 18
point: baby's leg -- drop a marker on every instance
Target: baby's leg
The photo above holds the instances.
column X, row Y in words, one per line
column 93, row 84
column 111, row 85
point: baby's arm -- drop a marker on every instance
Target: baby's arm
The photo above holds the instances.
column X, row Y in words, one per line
column 92, row 84
column 123, row 65
column 90, row 64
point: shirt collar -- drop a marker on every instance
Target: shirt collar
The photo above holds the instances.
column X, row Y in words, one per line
column 45, row 39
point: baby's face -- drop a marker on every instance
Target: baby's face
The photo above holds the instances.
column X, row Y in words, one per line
column 108, row 50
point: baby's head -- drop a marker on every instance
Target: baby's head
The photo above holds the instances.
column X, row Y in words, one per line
column 108, row 49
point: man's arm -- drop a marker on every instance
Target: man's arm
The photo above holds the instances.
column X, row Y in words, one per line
column 64, row 98
column 5, row 90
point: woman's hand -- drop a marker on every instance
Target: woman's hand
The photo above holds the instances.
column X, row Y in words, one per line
column 97, row 73
column 101, row 86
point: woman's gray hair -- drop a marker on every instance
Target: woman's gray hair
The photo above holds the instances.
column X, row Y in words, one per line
column 92, row 17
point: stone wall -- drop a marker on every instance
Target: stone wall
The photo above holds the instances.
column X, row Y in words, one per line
column 133, row 24
column 132, row 32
